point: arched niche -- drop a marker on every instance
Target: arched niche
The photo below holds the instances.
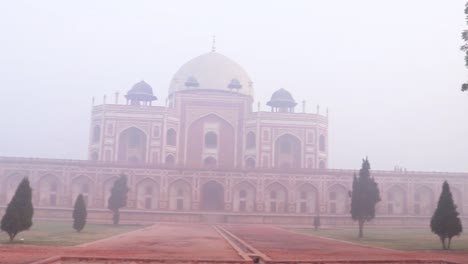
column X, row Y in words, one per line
column 48, row 190
column 210, row 163
column 147, row 194
column 180, row 196
column 306, row 199
column 250, row 140
column 107, row 187
column 396, row 200
column 132, row 145
column 276, row 198
column 212, row 196
column 171, row 137
column 225, row 142
column 250, row 163
column 423, row 201
column 85, row 186
column 338, row 200
column 10, row 186
column 288, row 149
column 96, row 134
column 243, row 197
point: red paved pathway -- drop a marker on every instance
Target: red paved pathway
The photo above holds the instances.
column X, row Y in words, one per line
column 280, row 244
column 198, row 241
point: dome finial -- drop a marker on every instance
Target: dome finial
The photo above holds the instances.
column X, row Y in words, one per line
column 213, row 44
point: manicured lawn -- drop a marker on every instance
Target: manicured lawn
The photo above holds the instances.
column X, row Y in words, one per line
column 395, row 238
column 62, row 234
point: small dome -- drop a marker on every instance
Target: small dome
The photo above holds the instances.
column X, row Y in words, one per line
column 212, row 71
column 141, row 91
column 192, row 82
column 282, row 98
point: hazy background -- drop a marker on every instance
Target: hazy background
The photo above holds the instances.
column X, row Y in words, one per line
column 389, row 71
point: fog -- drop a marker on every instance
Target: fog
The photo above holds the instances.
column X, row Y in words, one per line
column 389, row 71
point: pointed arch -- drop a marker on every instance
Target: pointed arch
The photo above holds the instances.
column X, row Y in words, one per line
column 250, row 140
column 288, row 150
column 322, row 143
column 338, row 199
column 211, row 115
column 96, row 134
column 132, row 145
column 211, row 135
column 180, row 195
column 250, row 163
column 276, row 198
column 244, row 195
column 171, row 137
column 396, row 200
column 10, row 185
column 147, row 194
column 211, row 140
column 212, row 196
column 48, row 190
column 424, row 203
column 82, row 185
column 210, row 163
column 169, row 160
column 107, row 186
column 306, row 199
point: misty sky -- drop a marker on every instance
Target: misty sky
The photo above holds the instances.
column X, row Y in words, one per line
column 389, row 71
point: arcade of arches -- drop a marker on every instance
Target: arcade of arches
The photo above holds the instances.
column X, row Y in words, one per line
column 148, row 193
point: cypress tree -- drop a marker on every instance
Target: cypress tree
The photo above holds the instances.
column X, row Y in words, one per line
column 364, row 196
column 445, row 221
column 19, row 213
column 79, row 213
column 118, row 197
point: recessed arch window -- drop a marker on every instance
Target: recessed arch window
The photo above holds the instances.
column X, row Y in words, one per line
column 242, row 194
column 250, row 163
column 94, row 156
column 322, row 164
column 96, row 134
column 171, row 137
column 211, row 140
column 322, row 143
column 170, row 160
column 209, row 162
column 273, row 195
column 250, row 141
column 134, row 140
column 285, row 147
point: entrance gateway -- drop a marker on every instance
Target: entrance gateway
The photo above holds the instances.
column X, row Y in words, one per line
column 212, row 196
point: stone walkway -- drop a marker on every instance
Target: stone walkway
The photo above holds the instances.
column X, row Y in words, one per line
column 203, row 243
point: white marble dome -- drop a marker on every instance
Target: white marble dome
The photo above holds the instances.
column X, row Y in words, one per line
column 212, row 71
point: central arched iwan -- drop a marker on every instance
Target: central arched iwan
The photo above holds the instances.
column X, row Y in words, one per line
column 225, row 148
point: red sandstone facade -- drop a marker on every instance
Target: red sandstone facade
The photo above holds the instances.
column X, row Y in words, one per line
column 207, row 153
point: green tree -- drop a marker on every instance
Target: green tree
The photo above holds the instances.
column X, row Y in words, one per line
column 118, row 197
column 445, row 221
column 364, row 196
column 464, row 48
column 79, row 213
column 19, row 213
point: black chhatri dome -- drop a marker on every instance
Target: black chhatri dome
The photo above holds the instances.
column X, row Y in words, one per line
column 282, row 98
column 141, row 91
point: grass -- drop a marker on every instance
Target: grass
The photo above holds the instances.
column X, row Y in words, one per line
column 46, row 233
column 399, row 238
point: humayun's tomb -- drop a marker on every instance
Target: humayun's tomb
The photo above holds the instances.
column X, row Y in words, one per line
column 207, row 156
